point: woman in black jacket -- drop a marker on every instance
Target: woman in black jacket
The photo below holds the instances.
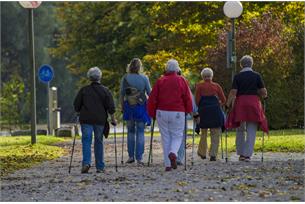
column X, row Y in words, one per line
column 93, row 102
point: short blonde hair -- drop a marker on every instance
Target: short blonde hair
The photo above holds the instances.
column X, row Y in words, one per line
column 207, row 72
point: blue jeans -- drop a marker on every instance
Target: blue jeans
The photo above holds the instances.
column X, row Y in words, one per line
column 135, row 139
column 98, row 145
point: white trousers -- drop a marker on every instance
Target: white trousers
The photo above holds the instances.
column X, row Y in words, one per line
column 171, row 125
column 245, row 142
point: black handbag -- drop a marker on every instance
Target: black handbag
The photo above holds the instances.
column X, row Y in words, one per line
column 106, row 129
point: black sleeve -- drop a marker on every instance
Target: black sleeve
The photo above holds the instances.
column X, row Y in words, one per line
column 109, row 103
column 78, row 101
column 260, row 82
column 234, row 84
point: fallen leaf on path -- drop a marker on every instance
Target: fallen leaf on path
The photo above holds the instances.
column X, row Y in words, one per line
column 264, row 194
column 210, row 198
column 182, row 183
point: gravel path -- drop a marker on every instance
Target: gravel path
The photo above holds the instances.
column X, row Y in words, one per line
column 279, row 178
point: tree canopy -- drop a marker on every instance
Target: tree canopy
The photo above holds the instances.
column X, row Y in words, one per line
column 80, row 35
column 109, row 35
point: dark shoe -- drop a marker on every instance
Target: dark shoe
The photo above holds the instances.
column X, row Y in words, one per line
column 100, row 171
column 85, row 169
column 172, row 157
column 247, row 159
column 202, row 157
column 140, row 163
column 168, row 168
column 179, row 163
column 130, row 160
column 213, row 158
column 241, row 158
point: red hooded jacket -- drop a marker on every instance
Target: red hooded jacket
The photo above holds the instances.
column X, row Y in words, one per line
column 170, row 93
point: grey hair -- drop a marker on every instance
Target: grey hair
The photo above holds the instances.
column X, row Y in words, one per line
column 94, row 74
column 246, row 61
column 207, row 72
column 172, row 65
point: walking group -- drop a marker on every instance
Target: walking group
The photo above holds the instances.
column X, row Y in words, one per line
column 170, row 102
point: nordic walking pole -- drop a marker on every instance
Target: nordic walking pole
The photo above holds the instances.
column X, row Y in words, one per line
column 151, row 155
column 221, row 143
column 194, row 125
column 226, row 141
column 73, row 148
column 115, row 150
column 122, row 159
column 263, row 140
column 185, row 132
column 151, row 141
column 226, row 135
column 221, row 146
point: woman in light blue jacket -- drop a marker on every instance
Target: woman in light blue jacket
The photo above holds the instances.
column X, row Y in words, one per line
column 135, row 87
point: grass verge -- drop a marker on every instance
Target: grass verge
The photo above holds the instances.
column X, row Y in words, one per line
column 289, row 140
column 277, row 141
column 18, row 153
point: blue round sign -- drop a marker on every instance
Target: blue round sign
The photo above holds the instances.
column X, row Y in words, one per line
column 45, row 73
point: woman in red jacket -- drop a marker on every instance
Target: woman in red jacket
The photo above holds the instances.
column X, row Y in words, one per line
column 169, row 101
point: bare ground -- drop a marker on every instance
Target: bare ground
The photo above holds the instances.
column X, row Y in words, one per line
column 279, row 178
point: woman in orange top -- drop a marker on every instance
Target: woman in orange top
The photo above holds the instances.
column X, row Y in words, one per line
column 209, row 97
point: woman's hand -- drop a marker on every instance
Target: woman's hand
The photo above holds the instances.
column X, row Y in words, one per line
column 197, row 120
column 196, row 117
column 113, row 121
column 231, row 99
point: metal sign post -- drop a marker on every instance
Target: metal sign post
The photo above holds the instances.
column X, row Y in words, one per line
column 33, row 81
column 46, row 75
column 30, row 5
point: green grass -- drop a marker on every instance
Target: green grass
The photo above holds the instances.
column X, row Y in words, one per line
column 277, row 141
column 25, row 140
column 290, row 140
column 18, row 153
